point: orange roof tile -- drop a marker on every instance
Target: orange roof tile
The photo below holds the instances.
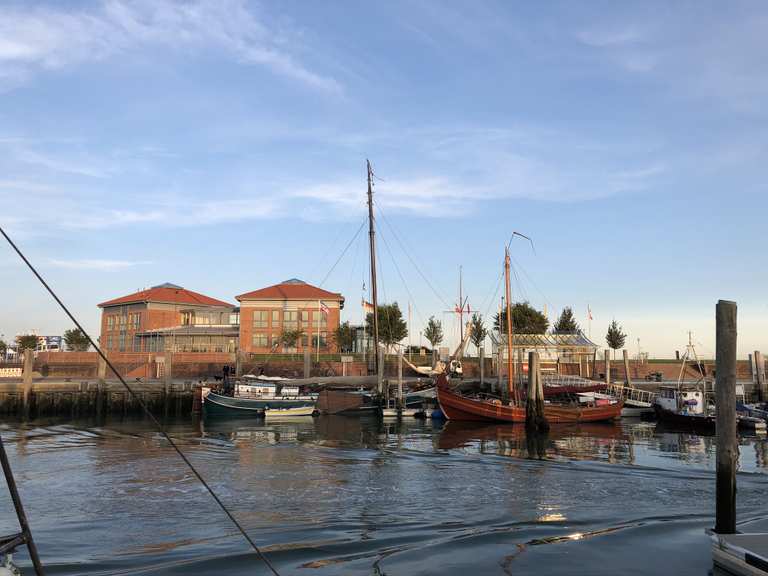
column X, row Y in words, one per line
column 291, row 290
column 167, row 293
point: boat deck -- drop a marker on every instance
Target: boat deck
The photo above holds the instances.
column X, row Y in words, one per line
column 739, row 554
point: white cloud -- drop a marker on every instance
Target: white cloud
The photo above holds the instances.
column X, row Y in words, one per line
column 40, row 38
column 96, row 264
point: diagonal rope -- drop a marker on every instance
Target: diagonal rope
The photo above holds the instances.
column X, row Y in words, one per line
column 342, row 254
column 146, row 410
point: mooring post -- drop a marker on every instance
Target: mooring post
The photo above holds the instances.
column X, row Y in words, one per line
column 434, row 358
column 535, row 421
column 400, row 399
column 482, row 365
column 101, row 371
column 627, row 376
column 29, row 358
column 762, row 393
column 725, row 397
column 594, row 364
column 307, row 361
column 608, row 366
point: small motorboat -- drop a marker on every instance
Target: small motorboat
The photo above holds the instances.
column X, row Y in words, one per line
column 683, row 406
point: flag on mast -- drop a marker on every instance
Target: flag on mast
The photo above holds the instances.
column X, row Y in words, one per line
column 589, row 312
column 323, row 308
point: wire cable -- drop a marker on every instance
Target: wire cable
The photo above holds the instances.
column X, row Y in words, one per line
column 146, row 410
column 342, row 254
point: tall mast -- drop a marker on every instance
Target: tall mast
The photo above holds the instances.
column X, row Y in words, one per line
column 508, row 291
column 461, row 310
column 372, row 242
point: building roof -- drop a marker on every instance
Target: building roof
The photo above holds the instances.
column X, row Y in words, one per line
column 293, row 289
column 568, row 340
column 166, row 293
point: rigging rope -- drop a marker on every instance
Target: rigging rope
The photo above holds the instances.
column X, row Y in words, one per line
column 407, row 254
column 146, row 410
column 342, row 254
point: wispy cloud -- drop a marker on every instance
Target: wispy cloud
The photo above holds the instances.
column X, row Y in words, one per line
column 96, row 264
column 38, row 38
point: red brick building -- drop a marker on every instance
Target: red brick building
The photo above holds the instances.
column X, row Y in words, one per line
column 291, row 305
column 168, row 317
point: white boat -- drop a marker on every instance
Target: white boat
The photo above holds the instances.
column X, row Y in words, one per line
column 273, row 413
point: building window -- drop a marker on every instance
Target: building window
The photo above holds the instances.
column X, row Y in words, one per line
column 323, row 338
column 260, row 341
column 133, row 321
column 122, row 320
column 122, row 342
column 260, row 318
column 187, row 318
column 110, row 322
column 275, row 318
column 234, row 319
column 319, row 320
column 275, row 341
column 305, row 318
column 110, row 343
column 290, row 320
column 136, row 344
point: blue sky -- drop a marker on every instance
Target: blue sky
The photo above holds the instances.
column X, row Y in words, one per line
column 221, row 145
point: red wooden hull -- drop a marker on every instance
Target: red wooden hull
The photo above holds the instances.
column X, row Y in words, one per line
column 458, row 407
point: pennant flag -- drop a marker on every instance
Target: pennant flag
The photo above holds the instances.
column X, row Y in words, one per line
column 589, row 312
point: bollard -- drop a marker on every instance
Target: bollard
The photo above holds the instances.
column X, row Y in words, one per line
column 102, row 370
column 725, row 392
column 607, row 366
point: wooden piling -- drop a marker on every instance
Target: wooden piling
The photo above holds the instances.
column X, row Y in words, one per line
column 400, row 399
column 101, row 371
column 29, row 358
column 607, row 365
column 627, row 375
column 535, row 421
column 482, row 365
column 725, row 392
column 762, row 392
column 307, row 362
column 594, row 364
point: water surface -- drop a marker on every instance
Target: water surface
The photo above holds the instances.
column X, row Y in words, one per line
column 338, row 495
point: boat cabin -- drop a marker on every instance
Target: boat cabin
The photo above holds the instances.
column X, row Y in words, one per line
column 681, row 400
column 261, row 389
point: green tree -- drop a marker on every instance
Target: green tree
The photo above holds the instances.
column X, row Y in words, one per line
column 525, row 320
column 3, row 349
column 26, row 341
column 344, row 337
column 566, row 324
column 433, row 331
column 76, row 340
column 615, row 337
column 479, row 331
column 392, row 327
column 290, row 338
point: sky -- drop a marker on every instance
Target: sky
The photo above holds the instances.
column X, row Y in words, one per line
column 221, row 145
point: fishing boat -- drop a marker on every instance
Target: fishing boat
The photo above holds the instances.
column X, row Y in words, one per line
column 457, row 406
column 684, row 406
column 262, row 398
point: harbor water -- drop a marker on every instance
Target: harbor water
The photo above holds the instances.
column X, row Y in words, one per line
column 339, row 495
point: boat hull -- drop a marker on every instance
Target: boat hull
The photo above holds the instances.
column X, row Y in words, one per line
column 458, row 407
column 219, row 405
column 691, row 421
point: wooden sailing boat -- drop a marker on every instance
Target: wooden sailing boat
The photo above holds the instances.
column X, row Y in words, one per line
column 457, row 406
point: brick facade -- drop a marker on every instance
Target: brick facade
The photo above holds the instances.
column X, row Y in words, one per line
column 292, row 305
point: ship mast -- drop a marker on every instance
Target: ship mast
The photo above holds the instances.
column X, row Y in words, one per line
column 372, row 242
column 508, row 291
